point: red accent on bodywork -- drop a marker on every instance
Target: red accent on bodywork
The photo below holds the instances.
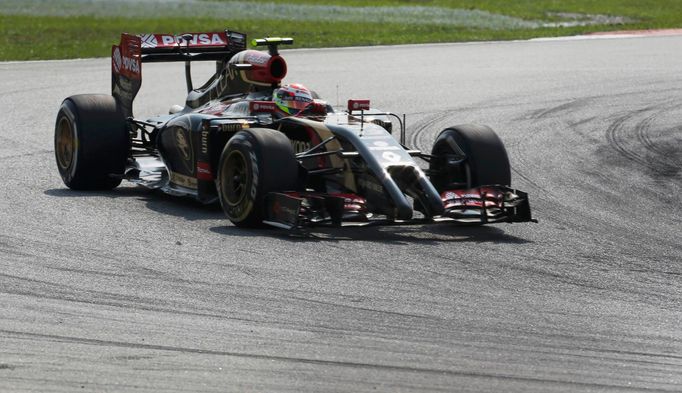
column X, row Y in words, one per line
column 204, row 171
column 352, row 202
column 277, row 208
column 314, row 141
column 474, row 198
column 318, row 107
column 125, row 58
column 259, row 67
column 264, row 68
column 358, row 105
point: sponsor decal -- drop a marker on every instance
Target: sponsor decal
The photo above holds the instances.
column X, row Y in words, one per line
column 232, row 127
column 241, row 209
column 183, row 145
column 198, row 39
column 204, row 142
column 217, row 109
column 126, row 57
column 149, row 41
column 204, row 171
column 182, row 180
column 262, row 106
column 126, row 71
column 391, row 157
column 358, row 105
column 117, row 60
column 300, row 146
column 255, row 174
column 124, row 64
column 256, row 58
column 383, row 145
column 131, row 64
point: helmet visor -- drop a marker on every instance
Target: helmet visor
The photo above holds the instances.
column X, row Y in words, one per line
column 293, row 100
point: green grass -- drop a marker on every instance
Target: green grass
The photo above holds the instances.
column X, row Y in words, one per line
column 26, row 37
column 662, row 12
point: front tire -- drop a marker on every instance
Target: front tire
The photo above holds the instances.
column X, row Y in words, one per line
column 254, row 163
column 468, row 156
column 91, row 142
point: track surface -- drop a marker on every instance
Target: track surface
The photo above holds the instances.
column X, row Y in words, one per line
column 135, row 291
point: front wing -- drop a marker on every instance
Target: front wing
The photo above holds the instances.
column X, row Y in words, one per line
column 481, row 205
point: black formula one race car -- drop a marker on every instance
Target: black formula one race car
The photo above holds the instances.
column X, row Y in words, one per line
column 275, row 154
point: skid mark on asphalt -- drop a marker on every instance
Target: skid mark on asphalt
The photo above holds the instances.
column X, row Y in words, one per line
column 172, row 309
column 632, row 139
column 303, row 360
column 373, row 310
column 427, row 128
column 629, row 135
column 547, row 201
column 558, row 110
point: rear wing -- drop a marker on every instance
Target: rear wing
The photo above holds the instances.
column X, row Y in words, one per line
column 128, row 56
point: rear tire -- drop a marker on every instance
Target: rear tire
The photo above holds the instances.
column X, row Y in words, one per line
column 91, row 142
column 253, row 163
column 484, row 160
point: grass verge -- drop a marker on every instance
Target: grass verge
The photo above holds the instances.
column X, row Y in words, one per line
column 28, row 37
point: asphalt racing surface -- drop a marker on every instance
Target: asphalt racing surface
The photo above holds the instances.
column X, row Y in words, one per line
column 131, row 290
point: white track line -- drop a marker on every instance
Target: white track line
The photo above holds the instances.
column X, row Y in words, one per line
column 615, row 35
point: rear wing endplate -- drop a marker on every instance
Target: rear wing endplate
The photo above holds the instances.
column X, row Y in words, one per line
column 128, row 56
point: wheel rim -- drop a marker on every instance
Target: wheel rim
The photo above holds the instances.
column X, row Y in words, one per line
column 235, row 177
column 65, row 144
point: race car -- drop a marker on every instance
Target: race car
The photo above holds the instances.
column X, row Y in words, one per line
column 276, row 154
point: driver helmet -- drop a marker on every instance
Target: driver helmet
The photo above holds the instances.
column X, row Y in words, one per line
column 293, row 98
